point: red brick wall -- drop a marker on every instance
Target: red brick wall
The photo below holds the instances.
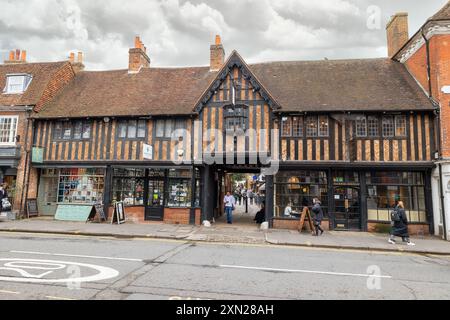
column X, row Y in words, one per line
column 413, row 229
column 133, row 214
column 176, row 216
column 417, row 66
column 440, row 76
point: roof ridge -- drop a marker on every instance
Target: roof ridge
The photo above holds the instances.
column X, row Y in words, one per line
column 443, row 13
column 318, row 61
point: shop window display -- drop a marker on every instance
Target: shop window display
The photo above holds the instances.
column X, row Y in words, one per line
column 128, row 186
column 385, row 189
column 81, row 185
column 295, row 189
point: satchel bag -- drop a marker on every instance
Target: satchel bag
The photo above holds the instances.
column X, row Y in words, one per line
column 6, row 205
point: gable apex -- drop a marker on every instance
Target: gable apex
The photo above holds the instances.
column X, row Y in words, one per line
column 235, row 61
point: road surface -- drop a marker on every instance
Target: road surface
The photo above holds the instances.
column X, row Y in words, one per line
column 68, row 267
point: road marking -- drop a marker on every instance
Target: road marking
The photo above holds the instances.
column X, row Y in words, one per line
column 75, row 256
column 9, row 292
column 58, row 298
column 307, row 271
column 21, row 267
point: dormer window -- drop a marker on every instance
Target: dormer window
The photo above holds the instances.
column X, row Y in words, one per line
column 17, row 83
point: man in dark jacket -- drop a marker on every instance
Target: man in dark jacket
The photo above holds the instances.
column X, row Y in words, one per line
column 400, row 227
column 261, row 215
column 318, row 216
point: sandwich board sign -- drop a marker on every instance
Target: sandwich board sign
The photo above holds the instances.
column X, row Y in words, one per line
column 119, row 214
column 97, row 209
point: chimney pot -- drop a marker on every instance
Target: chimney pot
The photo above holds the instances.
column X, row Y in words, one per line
column 138, row 57
column 80, row 57
column 12, row 55
column 72, row 57
column 218, row 40
column 137, row 42
column 24, row 56
column 17, row 58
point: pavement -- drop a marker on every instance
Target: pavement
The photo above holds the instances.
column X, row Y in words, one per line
column 223, row 233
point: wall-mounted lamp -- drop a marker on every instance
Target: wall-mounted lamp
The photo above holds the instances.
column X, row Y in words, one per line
column 106, row 119
column 180, row 153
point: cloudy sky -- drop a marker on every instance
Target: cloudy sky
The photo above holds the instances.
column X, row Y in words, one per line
column 179, row 32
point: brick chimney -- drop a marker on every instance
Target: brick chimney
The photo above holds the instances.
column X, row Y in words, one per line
column 217, row 55
column 397, row 33
column 77, row 64
column 16, row 57
column 138, row 57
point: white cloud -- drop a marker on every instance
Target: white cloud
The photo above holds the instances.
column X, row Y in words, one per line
column 179, row 32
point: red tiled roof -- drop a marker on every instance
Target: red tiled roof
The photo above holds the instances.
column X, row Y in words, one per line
column 42, row 73
column 339, row 85
column 152, row 91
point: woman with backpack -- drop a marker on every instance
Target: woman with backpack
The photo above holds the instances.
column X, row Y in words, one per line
column 318, row 216
column 400, row 225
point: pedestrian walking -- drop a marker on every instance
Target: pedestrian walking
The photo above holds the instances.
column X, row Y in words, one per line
column 400, row 225
column 230, row 203
column 318, row 216
column 251, row 196
column 238, row 195
column 4, row 202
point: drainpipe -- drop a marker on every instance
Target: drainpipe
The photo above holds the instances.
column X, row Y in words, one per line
column 430, row 93
column 444, row 224
column 427, row 45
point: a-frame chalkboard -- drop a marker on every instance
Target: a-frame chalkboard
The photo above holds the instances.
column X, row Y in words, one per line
column 97, row 209
column 119, row 214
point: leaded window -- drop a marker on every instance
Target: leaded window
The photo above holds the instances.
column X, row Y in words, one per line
column 388, row 126
column 297, row 126
column 373, row 126
column 311, row 126
column 361, row 126
column 132, row 129
column 323, row 126
column 286, row 126
column 236, row 118
column 400, row 126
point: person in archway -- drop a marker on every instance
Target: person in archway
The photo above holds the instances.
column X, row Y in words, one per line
column 230, row 203
column 318, row 216
column 261, row 215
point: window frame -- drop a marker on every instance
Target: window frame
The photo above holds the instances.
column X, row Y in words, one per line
column 12, row 134
column 358, row 126
column 27, row 78
column 240, row 119
column 392, row 119
column 73, row 124
column 127, row 124
column 403, row 117
column 174, row 124
column 288, row 121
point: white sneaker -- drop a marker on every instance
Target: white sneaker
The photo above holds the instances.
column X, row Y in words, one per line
column 391, row 241
column 411, row 244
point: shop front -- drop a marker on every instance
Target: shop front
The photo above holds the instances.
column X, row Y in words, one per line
column 357, row 200
column 158, row 193
column 149, row 194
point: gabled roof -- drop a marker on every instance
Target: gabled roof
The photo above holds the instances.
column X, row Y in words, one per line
column 235, row 61
column 342, row 85
column 42, row 74
column 152, row 91
column 443, row 14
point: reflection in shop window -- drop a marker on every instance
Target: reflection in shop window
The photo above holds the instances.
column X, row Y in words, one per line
column 81, row 185
column 179, row 188
column 295, row 189
column 385, row 189
column 128, row 186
